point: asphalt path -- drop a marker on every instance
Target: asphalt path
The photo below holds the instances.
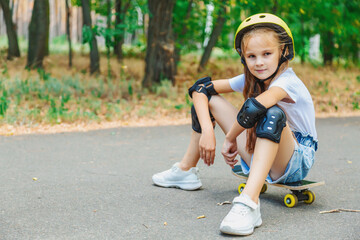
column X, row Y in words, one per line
column 97, row 185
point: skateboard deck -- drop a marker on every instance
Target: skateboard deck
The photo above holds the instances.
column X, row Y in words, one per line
column 299, row 189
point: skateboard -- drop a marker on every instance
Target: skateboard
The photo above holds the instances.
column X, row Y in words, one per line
column 300, row 190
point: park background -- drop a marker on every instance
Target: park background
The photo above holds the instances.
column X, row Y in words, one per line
column 81, row 64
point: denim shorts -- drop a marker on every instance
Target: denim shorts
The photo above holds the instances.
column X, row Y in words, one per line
column 300, row 162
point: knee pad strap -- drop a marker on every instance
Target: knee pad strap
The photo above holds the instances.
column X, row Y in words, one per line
column 204, row 86
column 272, row 124
column 195, row 124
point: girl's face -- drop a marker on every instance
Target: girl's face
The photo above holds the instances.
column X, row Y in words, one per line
column 262, row 54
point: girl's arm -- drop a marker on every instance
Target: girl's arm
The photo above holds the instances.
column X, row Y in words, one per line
column 271, row 97
column 222, row 86
column 207, row 142
column 201, row 102
column 268, row 99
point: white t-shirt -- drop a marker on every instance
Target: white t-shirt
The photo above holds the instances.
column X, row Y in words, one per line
column 300, row 111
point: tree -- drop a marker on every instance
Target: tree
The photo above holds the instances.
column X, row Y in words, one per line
column 109, row 35
column 13, row 50
column 38, row 34
column 120, row 10
column 328, row 19
column 91, row 37
column 351, row 31
column 159, row 60
column 219, row 23
column 68, row 14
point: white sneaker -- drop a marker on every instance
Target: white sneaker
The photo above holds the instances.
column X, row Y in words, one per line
column 175, row 177
column 243, row 217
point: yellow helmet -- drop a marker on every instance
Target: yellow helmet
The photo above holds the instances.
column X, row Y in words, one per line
column 266, row 20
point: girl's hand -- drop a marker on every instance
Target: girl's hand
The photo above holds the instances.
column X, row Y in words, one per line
column 229, row 151
column 207, row 146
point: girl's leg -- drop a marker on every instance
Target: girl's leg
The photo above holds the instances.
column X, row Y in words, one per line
column 183, row 175
column 225, row 115
column 269, row 157
column 192, row 155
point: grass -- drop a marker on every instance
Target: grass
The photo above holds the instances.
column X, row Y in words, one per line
column 62, row 96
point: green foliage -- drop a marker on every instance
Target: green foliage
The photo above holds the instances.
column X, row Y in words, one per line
column 356, row 105
column 355, row 102
column 56, row 100
column 43, row 75
column 5, row 69
column 130, row 89
column 324, row 86
column 101, row 7
column 76, row 2
column 335, row 20
column 87, row 34
column 129, row 20
column 189, row 26
column 188, row 103
column 43, row 98
column 4, row 103
column 134, row 51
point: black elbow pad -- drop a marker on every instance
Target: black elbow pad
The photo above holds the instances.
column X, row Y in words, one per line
column 250, row 113
column 205, row 86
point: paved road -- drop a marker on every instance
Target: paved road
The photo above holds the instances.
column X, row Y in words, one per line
column 97, row 185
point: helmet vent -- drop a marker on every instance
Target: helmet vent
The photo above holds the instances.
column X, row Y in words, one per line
column 247, row 19
column 262, row 16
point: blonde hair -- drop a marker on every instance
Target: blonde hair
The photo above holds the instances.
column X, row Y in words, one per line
column 252, row 88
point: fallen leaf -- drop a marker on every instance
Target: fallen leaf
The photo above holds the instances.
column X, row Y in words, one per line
column 226, row 202
column 340, row 210
column 165, row 223
column 35, row 179
column 202, row 216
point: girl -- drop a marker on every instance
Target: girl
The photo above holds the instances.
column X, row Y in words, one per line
column 274, row 132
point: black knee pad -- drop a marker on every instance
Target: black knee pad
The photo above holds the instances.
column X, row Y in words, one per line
column 272, row 124
column 195, row 121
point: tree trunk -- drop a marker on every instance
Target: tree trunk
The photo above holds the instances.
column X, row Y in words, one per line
column 94, row 53
column 38, row 34
column 108, row 38
column 68, row 32
column 118, row 39
column 328, row 45
column 159, row 61
column 220, row 21
column 47, row 28
column 13, row 50
column 119, row 19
